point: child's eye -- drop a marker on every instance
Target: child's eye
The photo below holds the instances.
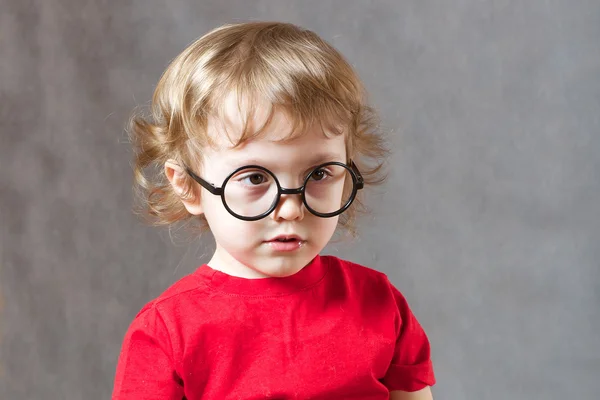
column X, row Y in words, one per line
column 319, row 175
column 254, row 179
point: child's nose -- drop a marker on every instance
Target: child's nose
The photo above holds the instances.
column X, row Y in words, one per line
column 290, row 207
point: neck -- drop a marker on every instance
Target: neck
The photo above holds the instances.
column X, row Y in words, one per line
column 226, row 263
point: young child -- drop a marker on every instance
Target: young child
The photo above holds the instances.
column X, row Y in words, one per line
column 263, row 135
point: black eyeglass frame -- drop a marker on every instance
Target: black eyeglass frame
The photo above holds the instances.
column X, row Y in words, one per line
column 357, row 184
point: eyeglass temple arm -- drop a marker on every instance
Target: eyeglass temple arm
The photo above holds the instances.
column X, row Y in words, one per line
column 360, row 183
column 206, row 185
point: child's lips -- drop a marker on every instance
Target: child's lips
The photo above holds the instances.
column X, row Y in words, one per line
column 285, row 245
column 285, row 238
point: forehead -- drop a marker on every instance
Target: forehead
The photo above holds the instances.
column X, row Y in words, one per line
column 238, row 118
column 261, row 131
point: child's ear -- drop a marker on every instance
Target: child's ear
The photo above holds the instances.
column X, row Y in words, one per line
column 177, row 177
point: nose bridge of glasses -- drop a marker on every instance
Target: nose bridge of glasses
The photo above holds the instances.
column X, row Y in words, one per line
column 291, row 191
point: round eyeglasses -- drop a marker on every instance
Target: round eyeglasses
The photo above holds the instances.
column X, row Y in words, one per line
column 252, row 192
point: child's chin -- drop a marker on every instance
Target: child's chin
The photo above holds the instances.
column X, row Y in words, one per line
column 279, row 267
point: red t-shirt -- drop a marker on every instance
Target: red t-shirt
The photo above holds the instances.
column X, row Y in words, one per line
column 334, row 330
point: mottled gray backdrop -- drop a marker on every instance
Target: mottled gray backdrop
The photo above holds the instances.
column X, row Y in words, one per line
column 489, row 222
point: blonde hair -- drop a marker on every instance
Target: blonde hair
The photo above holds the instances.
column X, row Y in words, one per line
column 280, row 64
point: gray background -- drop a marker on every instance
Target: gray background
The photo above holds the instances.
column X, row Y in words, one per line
column 489, row 222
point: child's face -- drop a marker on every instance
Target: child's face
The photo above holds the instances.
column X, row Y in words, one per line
column 246, row 248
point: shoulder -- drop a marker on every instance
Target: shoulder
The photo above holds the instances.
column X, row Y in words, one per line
column 354, row 270
column 167, row 319
column 364, row 279
column 175, row 296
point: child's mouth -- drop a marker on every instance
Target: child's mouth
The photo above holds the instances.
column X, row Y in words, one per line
column 283, row 243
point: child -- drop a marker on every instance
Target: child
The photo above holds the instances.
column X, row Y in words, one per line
column 263, row 133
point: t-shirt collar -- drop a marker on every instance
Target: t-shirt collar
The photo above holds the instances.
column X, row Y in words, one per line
column 307, row 277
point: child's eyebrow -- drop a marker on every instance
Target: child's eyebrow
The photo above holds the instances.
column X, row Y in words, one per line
column 318, row 158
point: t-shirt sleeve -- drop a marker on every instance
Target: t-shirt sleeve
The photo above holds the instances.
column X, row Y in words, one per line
column 145, row 369
column 411, row 368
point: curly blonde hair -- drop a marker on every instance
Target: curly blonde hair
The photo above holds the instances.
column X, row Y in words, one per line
column 280, row 64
